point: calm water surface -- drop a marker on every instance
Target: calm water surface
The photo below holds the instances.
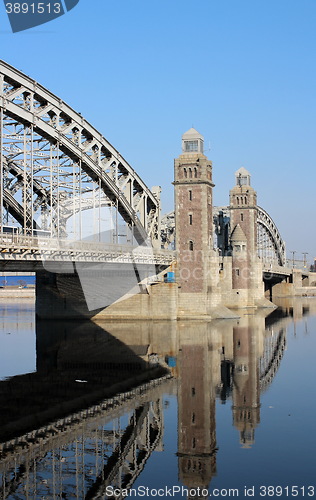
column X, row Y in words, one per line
column 79, row 418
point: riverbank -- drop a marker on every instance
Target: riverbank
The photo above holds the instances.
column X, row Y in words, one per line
column 16, row 292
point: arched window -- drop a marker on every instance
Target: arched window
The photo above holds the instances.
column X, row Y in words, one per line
column 185, row 172
column 237, row 200
column 191, row 245
column 195, row 172
column 245, row 200
column 190, row 173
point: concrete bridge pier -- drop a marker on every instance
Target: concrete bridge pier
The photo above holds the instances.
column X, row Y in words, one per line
column 297, row 283
column 60, row 296
column 67, row 296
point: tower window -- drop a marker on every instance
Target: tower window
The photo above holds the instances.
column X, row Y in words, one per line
column 191, row 146
column 193, row 418
column 185, row 172
column 190, row 173
column 190, row 195
column 190, row 219
column 237, row 272
column 191, row 245
column 195, row 172
column 241, row 216
column 193, row 391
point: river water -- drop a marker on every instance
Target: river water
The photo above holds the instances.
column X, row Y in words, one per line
column 158, row 409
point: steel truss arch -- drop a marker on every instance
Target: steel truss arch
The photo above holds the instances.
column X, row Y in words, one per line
column 270, row 243
column 42, row 196
column 271, row 246
column 269, row 364
column 44, row 140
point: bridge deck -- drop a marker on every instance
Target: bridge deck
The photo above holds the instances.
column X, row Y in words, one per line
column 20, row 248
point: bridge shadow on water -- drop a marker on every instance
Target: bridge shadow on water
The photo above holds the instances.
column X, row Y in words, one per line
column 78, row 364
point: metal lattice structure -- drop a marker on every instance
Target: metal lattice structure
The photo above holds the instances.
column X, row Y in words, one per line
column 271, row 247
column 54, row 166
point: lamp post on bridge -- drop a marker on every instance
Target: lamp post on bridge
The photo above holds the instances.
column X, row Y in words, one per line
column 305, row 253
column 293, row 252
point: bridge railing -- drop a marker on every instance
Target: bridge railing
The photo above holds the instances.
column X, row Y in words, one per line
column 298, row 264
column 274, row 267
column 48, row 246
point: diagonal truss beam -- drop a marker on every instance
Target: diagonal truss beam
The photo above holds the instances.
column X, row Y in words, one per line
column 45, row 117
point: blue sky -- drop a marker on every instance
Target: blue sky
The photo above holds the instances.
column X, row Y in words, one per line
column 242, row 72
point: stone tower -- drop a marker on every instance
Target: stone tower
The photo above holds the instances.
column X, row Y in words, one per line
column 246, row 270
column 243, row 208
column 193, row 214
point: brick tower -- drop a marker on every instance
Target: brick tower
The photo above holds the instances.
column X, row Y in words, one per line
column 243, row 208
column 246, row 273
column 193, row 214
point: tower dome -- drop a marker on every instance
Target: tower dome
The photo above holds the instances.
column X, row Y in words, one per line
column 242, row 177
column 192, row 142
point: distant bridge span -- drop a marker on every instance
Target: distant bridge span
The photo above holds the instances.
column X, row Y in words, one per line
column 271, row 247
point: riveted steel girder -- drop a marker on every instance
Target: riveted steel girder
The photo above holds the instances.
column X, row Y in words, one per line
column 269, row 236
column 58, row 156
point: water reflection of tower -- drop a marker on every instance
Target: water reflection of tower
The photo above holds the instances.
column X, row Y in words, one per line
column 246, row 392
column 196, row 409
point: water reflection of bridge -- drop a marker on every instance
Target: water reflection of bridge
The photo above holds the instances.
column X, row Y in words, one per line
column 79, row 455
column 109, row 442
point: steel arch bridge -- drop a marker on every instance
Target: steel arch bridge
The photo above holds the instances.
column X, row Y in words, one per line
column 270, row 244
column 54, row 165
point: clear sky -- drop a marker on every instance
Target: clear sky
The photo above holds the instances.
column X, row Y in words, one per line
column 242, row 72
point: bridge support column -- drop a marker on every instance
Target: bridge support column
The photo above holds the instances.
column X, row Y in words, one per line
column 289, row 287
column 60, row 296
